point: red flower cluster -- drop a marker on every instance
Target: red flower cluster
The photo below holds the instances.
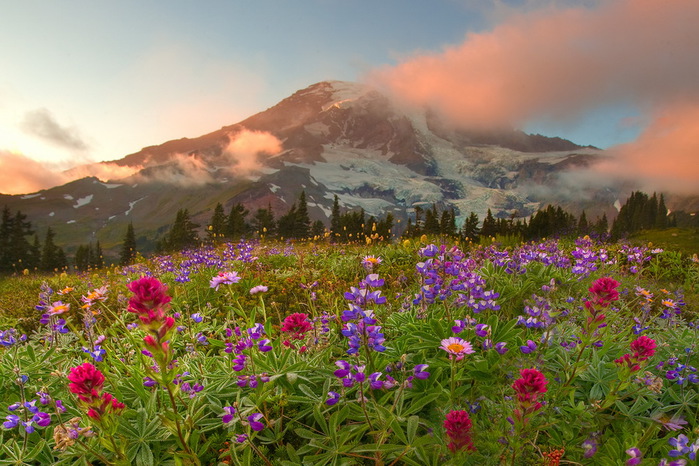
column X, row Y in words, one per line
column 87, row 382
column 529, row 387
column 150, row 302
column 603, row 291
column 297, row 325
column 643, row 348
column 458, row 427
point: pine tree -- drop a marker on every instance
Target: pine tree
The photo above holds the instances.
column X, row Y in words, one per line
column 183, row 233
column 236, row 227
column 302, row 224
column 335, row 225
column 49, row 254
column 128, row 247
column 661, row 219
column 217, row 227
column 583, row 226
column 82, row 258
column 470, row 228
column 432, row 221
column 489, row 227
column 385, row 227
column 318, row 229
column 263, row 222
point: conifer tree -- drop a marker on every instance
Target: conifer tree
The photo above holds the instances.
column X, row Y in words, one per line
column 470, row 228
column 217, row 227
column 183, row 233
column 661, row 220
column 335, row 225
column 432, row 221
column 489, row 227
column 302, row 223
column 263, row 222
column 236, row 227
column 128, row 247
column 50, row 259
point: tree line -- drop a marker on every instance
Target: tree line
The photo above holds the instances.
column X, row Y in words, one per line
column 639, row 212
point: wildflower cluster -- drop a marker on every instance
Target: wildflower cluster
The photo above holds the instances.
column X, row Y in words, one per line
column 244, row 341
column 364, row 331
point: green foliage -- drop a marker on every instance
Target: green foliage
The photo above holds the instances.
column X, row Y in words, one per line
column 429, row 290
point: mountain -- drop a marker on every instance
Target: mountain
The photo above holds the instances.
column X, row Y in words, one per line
column 332, row 138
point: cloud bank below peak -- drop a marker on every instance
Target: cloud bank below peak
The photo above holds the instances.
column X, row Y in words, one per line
column 559, row 65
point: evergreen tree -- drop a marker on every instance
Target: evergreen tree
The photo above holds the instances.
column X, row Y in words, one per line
column 96, row 256
column 447, row 222
column 61, row 259
column 5, row 231
column 470, row 228
column 432, row 221
column 263, row 222
column 583, row 226
column 34, row 256
column 236, row 227
column 217, row 227
column 385, row 227
column 302, row 224
column 183, row 233
column 50, row 259
column 82, row 258
column 489, row 227
column 318, row 229
column 335, row 220
column 128, row 247
column 661, row 219
column 286, row 226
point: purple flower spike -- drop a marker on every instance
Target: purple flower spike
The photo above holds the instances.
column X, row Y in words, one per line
column 12, row 421
column 420, row 372
column 229, row 412
column 530, row 347
column 636, row 456
column 254, row 419
column 333, row 398
column 264, row 345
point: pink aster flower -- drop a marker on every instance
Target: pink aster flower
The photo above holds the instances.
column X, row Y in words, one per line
column 455, row 346
column 369, row 262
column 224, row 278
column 258, row 289
column 58, row 308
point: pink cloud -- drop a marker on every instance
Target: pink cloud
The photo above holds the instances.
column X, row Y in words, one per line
column 664, row 157
column 20, row 175
column 556, row 64
column 245, row 148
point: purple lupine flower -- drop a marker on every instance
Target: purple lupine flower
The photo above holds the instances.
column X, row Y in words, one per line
column 42, row 419
column 344, row 369
column 419, row 371
column 12, row 421
column 530, row 347
column 264, row 345
column 636, row 456
column 333, row 398
column 97, row 354
column 241, row 438
column 228, row 414
column 589, row 446
column 681, row 444
column 197, row 317
column 501, row 347
column 254, row 419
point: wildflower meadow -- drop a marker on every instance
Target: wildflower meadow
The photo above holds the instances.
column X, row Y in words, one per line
column 415, row 353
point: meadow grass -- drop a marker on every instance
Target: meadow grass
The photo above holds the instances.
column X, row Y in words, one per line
column 418, row 353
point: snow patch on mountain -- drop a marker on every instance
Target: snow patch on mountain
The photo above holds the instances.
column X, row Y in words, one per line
column 83, row 201
column 132, row 204
column 68, row 197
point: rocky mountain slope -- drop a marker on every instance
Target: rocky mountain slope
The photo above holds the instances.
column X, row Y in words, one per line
column 332, row 138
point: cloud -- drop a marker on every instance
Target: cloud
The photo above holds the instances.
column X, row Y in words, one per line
column 665, row 156
column 245, row 148
column 557, row 64
column 20, row 174
column 105, row 171
column 241, row 156
column 41, row 123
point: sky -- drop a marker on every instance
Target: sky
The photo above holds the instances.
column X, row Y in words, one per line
column 86, row 81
